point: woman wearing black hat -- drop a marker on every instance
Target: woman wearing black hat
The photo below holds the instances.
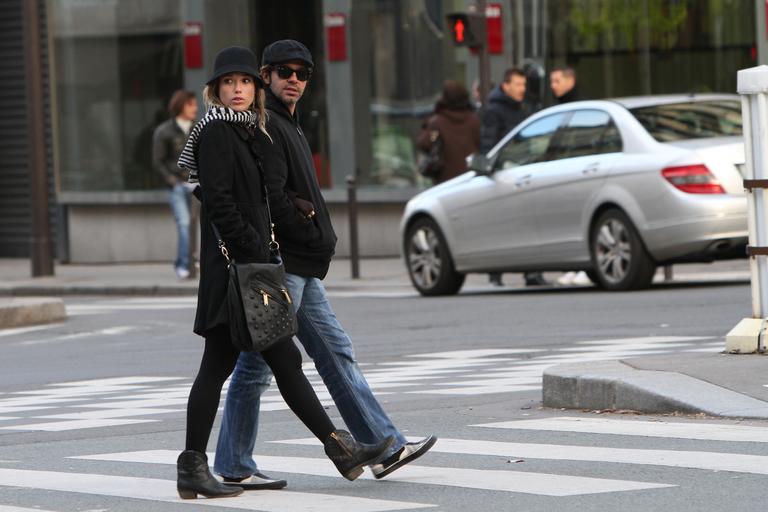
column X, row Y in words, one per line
column 221, row 154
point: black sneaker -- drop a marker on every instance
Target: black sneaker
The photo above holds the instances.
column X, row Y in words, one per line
column 255, row 482
column 408, row 453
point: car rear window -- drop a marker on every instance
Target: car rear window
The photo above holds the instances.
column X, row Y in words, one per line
column 691, row 120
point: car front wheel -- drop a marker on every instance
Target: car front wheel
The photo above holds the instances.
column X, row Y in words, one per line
column 619, row 257
column 429, row 262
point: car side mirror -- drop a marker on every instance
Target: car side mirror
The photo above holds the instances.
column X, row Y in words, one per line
column 479, row 163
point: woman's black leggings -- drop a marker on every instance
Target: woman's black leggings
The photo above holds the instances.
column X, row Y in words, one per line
column 219, row 361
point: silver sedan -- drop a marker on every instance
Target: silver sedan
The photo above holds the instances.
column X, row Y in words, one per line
column 612, row 187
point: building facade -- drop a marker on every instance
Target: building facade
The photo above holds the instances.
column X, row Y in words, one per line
column 380, row 65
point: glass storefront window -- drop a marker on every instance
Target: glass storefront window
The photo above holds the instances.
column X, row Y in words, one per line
column 638, row 47
column 406, row 65
column 116, row 64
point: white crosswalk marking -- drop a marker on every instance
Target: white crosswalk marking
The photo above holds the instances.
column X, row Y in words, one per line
column 699, row 431
column 434, row 471
column 755, row 464
column 485, row 479
column 450, row 373
column 165, row 491
column 6, row 508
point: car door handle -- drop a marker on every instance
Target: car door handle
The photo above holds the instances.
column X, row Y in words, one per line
column 523, row 180
column 591, row 168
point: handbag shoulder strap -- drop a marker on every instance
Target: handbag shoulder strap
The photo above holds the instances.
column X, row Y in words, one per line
column 274, row 245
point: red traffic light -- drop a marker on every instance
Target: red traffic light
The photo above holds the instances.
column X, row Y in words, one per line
column 464, row 29
column 458, row 31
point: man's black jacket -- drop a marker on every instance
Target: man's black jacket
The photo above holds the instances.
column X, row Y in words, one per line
column 499, row 117
column 306, row 244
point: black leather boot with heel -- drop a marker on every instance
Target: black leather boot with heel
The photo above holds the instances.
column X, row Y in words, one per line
column 349, row 456
column 194, row 477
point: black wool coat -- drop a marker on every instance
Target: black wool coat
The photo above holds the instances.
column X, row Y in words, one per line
column 233, row 199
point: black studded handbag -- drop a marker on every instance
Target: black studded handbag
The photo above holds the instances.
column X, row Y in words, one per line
column 259, row 307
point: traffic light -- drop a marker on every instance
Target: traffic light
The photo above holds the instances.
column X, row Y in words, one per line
column 466, row 29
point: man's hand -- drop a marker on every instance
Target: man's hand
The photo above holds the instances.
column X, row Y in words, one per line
column 306, row 208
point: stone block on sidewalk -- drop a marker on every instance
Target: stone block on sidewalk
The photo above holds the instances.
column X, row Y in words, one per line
column 17, row 312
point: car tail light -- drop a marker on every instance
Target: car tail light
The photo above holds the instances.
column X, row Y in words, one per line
column 693, row 179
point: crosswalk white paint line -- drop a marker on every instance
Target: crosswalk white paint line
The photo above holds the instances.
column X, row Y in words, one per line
column 644, row 339
column 111, row 331
column 485, row 479
column 477, row 353
column 24, row 330
column 698, row 431
column 107, row 414
column 475, row 390
column 6, row 508
column 165, row 491
column 6, row 410
column 59, row 426
column 118, row 381
column 103, row 308
column 712, row 461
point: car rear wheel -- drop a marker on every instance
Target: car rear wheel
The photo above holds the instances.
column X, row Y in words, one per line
column 429, row 261
column 620, row 259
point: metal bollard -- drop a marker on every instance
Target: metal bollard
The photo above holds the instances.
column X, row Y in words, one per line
column 747, row 336
column 354, row 250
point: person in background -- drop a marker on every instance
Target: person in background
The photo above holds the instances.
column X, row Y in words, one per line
column 504, row 111
column 562, row 81
column 455, row 123
column 167, row 143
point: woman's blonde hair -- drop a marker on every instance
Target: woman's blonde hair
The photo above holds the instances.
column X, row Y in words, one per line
column 211, row 99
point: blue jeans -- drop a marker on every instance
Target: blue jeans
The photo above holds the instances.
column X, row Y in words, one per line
column 331, row 349
column 179, row 197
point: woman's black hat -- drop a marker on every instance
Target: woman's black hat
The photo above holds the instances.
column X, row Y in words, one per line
column 235, row 59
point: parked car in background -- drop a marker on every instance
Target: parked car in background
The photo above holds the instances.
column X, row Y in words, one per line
column 612, row 187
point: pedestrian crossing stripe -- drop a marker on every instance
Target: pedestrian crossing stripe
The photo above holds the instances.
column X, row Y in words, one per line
column 480, row 371
column 165, row 491
column 483, row 479
column 6, row 508
column 642, row 428
column 713, row 461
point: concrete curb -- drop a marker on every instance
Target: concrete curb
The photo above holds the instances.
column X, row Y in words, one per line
column 19, row 312
column 615, row 385
column 63, row 290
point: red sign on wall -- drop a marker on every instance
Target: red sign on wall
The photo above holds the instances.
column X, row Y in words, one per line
column 193, row 45
column 493, row 27
column 336, row 36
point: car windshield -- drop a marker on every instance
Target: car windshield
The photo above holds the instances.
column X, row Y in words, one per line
column 691, row 120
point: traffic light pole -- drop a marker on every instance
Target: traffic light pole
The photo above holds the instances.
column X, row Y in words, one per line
column 484, row 62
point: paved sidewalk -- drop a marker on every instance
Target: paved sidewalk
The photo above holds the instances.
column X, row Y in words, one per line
column 714, row 384
column 377, row 274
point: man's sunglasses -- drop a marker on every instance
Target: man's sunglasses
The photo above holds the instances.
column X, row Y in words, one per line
column 284, row 72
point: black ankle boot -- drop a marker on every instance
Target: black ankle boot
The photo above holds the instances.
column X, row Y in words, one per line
column 195, row 478
column 349, row 456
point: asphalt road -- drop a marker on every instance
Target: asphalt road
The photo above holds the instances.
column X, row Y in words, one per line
column 91, row 411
